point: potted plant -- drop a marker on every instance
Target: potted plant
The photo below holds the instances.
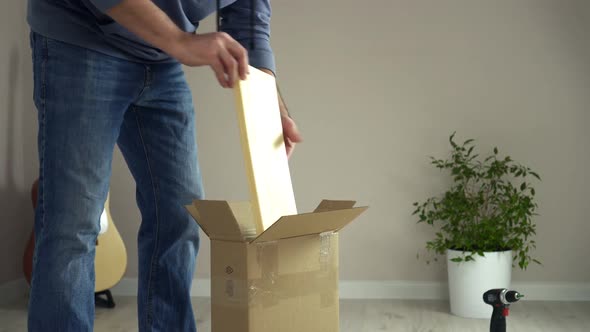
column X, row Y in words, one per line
column 484, row 224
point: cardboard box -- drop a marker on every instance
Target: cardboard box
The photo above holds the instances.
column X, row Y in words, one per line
column 272, row 269
column 284, row 279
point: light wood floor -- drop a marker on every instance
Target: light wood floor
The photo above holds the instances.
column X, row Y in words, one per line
column 363, row 316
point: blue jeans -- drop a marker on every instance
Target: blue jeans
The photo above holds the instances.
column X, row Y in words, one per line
column 87, row 102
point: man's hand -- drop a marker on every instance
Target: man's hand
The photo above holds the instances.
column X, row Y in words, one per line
column 222, row 53
column 290, row 132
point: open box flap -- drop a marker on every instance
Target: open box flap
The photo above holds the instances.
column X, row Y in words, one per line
column 216, row 219
column 329, row 205
column 242, row 211
column 309, row 223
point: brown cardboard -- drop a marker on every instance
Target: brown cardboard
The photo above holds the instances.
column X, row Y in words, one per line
column 272, row 269
column 282, row 280
column 309, row 223
column 330, row 205
column 216, row 220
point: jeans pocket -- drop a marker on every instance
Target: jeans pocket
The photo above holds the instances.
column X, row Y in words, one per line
column 32, row 41
column 39, row 56
column 32, row 47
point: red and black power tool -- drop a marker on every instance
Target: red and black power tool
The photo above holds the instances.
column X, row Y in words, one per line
column 500, row 299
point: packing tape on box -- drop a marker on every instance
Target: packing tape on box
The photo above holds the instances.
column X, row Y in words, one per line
column 325, row 250
column 264, row 290
column 273, row 287
column 328, row 297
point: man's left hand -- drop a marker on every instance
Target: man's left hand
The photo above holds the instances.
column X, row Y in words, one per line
column 290, row 132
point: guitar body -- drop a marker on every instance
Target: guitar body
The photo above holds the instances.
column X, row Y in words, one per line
column 110, row 261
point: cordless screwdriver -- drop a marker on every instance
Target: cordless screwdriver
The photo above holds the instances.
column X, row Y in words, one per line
column 500, row 299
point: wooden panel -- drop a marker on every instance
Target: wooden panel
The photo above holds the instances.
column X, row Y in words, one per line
column 261, row 134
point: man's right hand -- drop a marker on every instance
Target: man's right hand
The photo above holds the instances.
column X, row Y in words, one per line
column 227, row 57
column 222, row 53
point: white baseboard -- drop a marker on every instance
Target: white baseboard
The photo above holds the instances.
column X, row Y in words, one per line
column 409, row 290
column 13, row 291
column 556, row 291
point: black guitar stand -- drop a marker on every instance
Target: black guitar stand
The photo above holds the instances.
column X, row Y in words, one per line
column 107, row 302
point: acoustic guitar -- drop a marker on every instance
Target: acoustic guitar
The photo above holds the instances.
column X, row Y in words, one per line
column 110, row 261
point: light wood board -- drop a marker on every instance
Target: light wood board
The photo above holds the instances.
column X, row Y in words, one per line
column 265, row 157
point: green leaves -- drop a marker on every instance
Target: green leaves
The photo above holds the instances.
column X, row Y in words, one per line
column 482, row 210
column 453, row 144
column 535, row 175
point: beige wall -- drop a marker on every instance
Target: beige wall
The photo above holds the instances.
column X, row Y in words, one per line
column 376, row 91
column 18, row 160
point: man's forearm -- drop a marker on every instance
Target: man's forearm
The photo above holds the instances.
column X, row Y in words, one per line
column 149, row 22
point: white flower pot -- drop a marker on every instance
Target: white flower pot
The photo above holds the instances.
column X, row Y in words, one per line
column 469, row 280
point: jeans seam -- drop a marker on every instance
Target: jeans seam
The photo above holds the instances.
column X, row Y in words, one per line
column 147, row 80
column 44, row 59
column 153, row 265
column 43, row 133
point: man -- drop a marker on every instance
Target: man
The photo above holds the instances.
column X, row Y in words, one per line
column 109, row 72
